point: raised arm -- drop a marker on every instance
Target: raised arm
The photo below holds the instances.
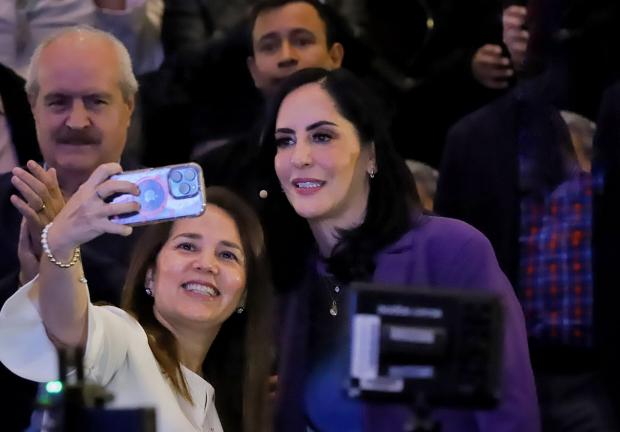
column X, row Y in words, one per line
column 60, row 290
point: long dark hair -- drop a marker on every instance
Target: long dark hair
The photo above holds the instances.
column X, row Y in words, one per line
column 238, row 361
column 393, row 202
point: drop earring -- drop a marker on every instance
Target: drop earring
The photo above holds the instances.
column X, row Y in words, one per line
column 147, row 286
column 148, row 282
column 241, row 306
column 371, row 173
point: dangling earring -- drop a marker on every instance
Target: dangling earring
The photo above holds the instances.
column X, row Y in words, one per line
column 371, row 173
column 148, row 281
column 242, row 301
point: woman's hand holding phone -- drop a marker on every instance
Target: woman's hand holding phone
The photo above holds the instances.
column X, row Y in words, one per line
column 87, row 214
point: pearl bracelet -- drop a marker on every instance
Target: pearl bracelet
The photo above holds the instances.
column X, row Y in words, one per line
column 46, row 250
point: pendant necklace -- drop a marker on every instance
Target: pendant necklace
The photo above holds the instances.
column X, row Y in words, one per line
column 333, row 289
column 333, row 309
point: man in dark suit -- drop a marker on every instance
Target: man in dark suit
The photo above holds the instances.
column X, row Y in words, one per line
column 81, row 90
column 513, row 170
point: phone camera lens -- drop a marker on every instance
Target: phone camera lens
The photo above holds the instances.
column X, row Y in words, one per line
column 176, row 176
column 184, row 181
column 184, row 188
column 190, row 174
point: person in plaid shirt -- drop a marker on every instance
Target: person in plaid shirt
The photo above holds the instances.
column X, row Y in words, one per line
column 521, row 171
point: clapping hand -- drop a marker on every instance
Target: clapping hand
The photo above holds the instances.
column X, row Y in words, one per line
column 41, row 199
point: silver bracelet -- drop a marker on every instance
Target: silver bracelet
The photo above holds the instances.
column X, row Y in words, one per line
column 46, row 250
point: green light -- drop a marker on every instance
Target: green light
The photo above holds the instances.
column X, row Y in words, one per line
column 53, row 387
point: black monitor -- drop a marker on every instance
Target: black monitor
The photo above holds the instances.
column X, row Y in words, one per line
column 413, row 344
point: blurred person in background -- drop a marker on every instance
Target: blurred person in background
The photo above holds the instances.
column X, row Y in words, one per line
column 442, row 60
column 521, row 171
column 24, row 24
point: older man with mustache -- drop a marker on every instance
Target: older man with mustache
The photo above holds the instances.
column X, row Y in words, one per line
column 81, row 89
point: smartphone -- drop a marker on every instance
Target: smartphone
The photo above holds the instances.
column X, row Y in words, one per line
column 166, row 193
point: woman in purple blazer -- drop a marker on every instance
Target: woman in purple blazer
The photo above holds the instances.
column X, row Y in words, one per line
column 350, row 212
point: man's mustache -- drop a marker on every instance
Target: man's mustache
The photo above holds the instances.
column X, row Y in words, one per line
column 66, row 135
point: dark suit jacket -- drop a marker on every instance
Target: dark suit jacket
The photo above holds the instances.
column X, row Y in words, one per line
column 196, row 98
column 19, row 116
column 606, row 235
column 479, row 183
column 187, row 25
column 105, row 261
column 235, row 165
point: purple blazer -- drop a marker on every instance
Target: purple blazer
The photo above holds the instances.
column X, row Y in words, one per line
column 437, row 252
